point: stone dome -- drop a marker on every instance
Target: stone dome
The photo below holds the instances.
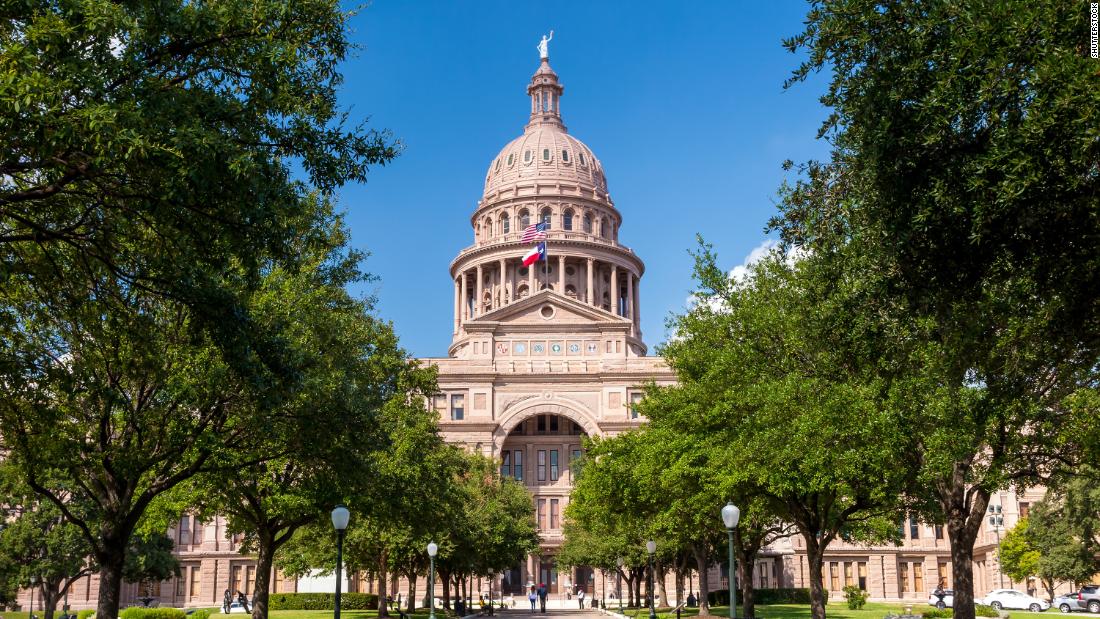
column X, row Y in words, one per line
column 545, row 151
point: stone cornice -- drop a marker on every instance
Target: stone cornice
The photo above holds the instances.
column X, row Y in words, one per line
column 486, row 254
column 468, row 426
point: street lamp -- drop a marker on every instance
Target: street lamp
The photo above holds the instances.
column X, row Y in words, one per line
column 996, row 520
column 340, row 517
column 433, row 548
column 490, row 593
column 34, row 583
column 730, row 516
column 619, row 586
column 651, row 547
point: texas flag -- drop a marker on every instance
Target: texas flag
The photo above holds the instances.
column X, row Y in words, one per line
column 538, row 252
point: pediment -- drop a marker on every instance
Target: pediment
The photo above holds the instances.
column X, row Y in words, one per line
column 548, row 309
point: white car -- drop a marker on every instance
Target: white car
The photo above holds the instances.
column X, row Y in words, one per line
column 236, row 607
column 947, row 601
column 1010, row 598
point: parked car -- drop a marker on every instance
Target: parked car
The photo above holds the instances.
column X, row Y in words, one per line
column 1089, row 598
column 1066, row 603
column 1011, row 598
column 946, row 602
column 236, row 607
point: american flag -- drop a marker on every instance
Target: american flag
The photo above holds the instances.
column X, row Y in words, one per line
column 534, row 232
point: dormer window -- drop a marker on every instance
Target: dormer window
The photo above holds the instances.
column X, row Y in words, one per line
column 565, row 156
column 581, row 155
column 498, row 165
column 546, row 154
column 511, row 156
column 526, row 156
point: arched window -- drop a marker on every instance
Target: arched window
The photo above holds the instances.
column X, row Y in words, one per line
column 488, row 227
column 505, row 224
column 524, row 219
column 588, row 223
column 604, row 225
column 545, row 218
column 477, row 232
column 571, row 291
column 523, row 291
column 567, row 219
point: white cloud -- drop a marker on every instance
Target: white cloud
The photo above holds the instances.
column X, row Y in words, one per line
column 740, row 272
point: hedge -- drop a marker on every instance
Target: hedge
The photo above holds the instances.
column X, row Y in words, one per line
column 160, row 612
column 84, row 614
column 321, row 601
column 786, row 595
column 200, row 613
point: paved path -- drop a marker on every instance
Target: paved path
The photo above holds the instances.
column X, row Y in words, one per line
column 552, row 613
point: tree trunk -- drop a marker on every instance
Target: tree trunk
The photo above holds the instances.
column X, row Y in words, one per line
column 49, row 595
column 660, row 576
column 111, row 560
column 639, row 577
column 814, row 556
column 446, row 579
column 746, row 560
column 265, row 557
column 963, row 522
column 701, row 561
column 412, row 592
column 383, row 588
column 1048, row 584
column 679, row 585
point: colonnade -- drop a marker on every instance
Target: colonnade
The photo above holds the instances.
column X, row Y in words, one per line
column 493, row 284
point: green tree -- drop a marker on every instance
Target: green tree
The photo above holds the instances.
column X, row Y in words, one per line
column 959, row 199
column 794, row 418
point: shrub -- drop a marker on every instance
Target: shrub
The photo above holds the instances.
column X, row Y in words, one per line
column 321, row 601
column 140, row 612
column 198, row 613
column 855, row 597
column 84, row 614
column 936, row 613
column 981, row 610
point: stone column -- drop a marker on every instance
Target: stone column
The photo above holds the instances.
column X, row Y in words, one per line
column 638, row 307
column 615, row 290
column 458, row 306
column 531, row 278
column 561, row 274
column 590, row 292
column 464, row 314
column 480, row 291
column 500, row 283
column 630, row 299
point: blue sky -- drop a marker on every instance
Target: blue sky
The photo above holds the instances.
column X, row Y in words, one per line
column 683, row 103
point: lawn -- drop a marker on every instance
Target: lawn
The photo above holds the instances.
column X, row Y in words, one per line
column 835, row 610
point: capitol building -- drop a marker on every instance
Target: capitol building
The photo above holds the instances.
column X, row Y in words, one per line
column 543, row 356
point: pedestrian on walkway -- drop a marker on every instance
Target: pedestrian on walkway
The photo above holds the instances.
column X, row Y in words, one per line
column 532, row 597
column 580, row 598
column 542, row 597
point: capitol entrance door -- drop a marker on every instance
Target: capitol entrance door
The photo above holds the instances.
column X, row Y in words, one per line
column 548, row 575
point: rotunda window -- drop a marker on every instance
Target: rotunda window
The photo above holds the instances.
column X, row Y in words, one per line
column 546, row 154
column 505, row 224
column 498, row 164
column 524, row 218
column 523, row 291
column 545, row 217
column 565, row 155
column 569, row 271
column 511, row 156
column 527, row 156
column 588, row 223
column 571, row 291
column 488, row 226
column 567, row 219
column 581, row 155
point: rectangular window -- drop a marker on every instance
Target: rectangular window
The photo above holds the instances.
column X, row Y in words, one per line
column 542, row 465
column 903, row 577
column 918, row 576
column 542, row 514
column 196, row 581
column 762, row 575
column 1025, row 508
column 938, row 529
column 553, row 424
column 235, row 578
column 458, row 407
column 553, row 465
column 517, row 465
column 181, row 583
column 635, row 398
column 185, row 531
column 914, row 527
column 197, row 531
column 848, row 582
column 553, row 514
column 542, row 424
column 440, row 403
column 506, row 464
column 863, row 575
column 575, row 464
column 944, row 575
column 834, row 576
column 901, row 528
column 250, row 583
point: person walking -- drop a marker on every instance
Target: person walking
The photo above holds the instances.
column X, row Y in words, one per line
column 532, row 597
column 542, row 597
column 580, row 598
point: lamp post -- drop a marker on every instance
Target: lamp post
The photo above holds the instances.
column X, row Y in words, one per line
column 340, row 517
column 730, row 516
column 433, row 548
column 619, row 586
column 34, row 583
column 651, row 547
column 591, row 586
column 996, row 520
column 490, row 593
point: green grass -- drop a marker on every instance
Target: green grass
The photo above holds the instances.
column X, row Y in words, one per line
column 833, row 610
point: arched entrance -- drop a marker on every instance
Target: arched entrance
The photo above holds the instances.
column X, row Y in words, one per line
column 541, row 446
